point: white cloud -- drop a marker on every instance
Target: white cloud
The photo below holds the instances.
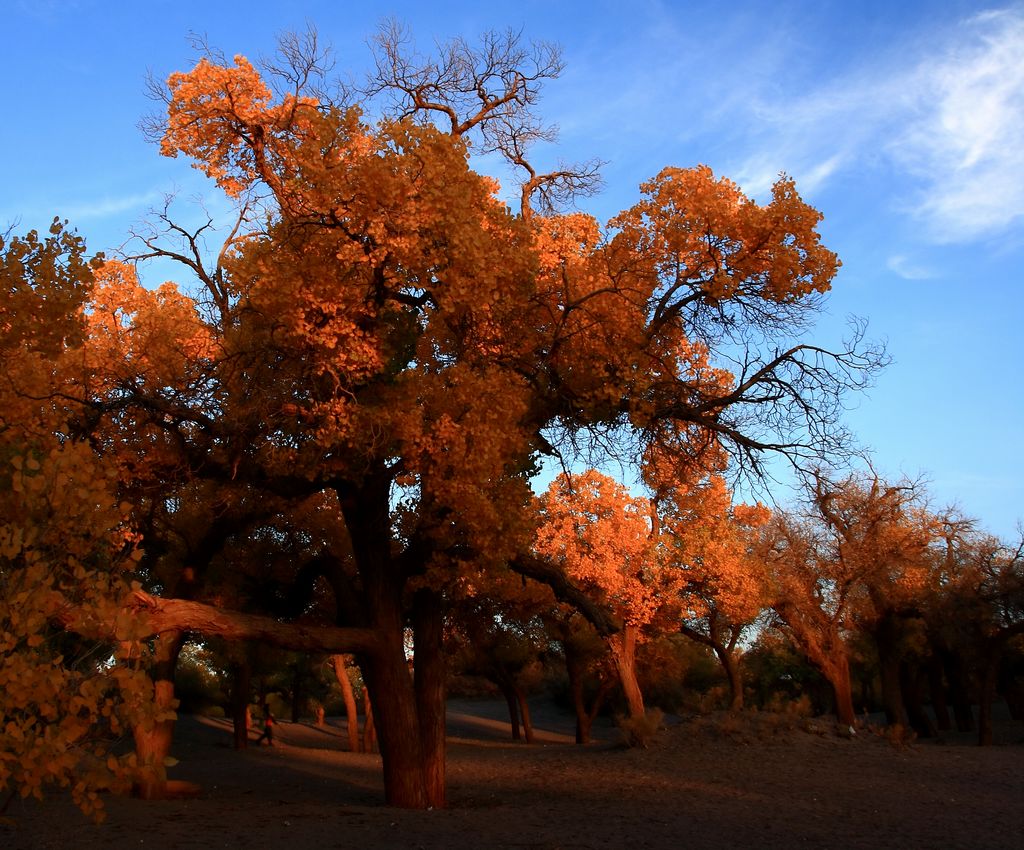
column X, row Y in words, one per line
column 947, row 115
column 964, row 140
column 907, row 268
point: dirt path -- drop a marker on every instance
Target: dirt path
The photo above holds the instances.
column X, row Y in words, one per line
column 761, row 782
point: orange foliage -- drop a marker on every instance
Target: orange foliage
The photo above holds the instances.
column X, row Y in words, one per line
column 389, row 332
column 603, row 539
column 712, row 541
column 67, row 552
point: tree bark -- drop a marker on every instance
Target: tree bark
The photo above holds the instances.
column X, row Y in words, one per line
column 986, row 696
column 603, row 621
column 585, row 716
column 351, row 711
column 583, row 722
column 369, row 730
column 153, row 740
column 959, row 691
column 166, row 615
column 430, row 678
column 623, row 647
column 838, row 675
column 298, row 690
column 397, row 723
column 724, row 651
column 240, row 703
column 912, row 688
column 513, row 708
column 732, row 671
column 886, row 635
column 823, row 646
column 524, row 711
column 396, row 719
column 937, row 692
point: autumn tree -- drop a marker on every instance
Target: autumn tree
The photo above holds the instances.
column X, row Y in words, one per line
column 712, row 543
column 877, row 536
column 381, row 330
column 67, row 549
column 811, row 601
column 604, row 540
column 975, row 609
column 860, row 557
column 501, row 638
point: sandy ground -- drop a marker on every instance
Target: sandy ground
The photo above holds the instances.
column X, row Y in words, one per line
column 763, row 781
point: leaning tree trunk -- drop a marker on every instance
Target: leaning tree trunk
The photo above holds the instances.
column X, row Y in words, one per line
column 623, row 647
column 725, row 652
column 351, row 711
column 153, row 739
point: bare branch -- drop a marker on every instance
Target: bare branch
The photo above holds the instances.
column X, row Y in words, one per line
column 490, row 91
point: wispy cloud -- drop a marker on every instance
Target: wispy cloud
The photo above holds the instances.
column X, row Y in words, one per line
column 965, row 137
column 949, row 120
column 109, row 206
column 907, row 268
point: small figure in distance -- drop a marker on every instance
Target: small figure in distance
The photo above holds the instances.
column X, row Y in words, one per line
column 268, row 728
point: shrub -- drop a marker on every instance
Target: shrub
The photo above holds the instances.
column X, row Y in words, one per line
column 640, row 731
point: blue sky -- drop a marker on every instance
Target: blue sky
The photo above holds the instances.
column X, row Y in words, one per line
column 902, row 122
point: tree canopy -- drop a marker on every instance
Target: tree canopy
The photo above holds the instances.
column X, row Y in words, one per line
column 380, row 331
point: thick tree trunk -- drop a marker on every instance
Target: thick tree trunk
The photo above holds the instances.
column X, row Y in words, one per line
column 430, row 679
column 987, row 695
column 623, row 647
column 524, row 710
column 153, row 741
column 298, row 690
column 959, row 690
column 732, row 671
column 912, row 688
column 824, row 648
column 886, row 635
column 837, row 671
column 396, row 708
column 575, row 668
column 397, row 725
column 396, row 722
column 240, row 703
column 583, row 721
column 351, row 711
column 937, row 692
column 512, row 702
